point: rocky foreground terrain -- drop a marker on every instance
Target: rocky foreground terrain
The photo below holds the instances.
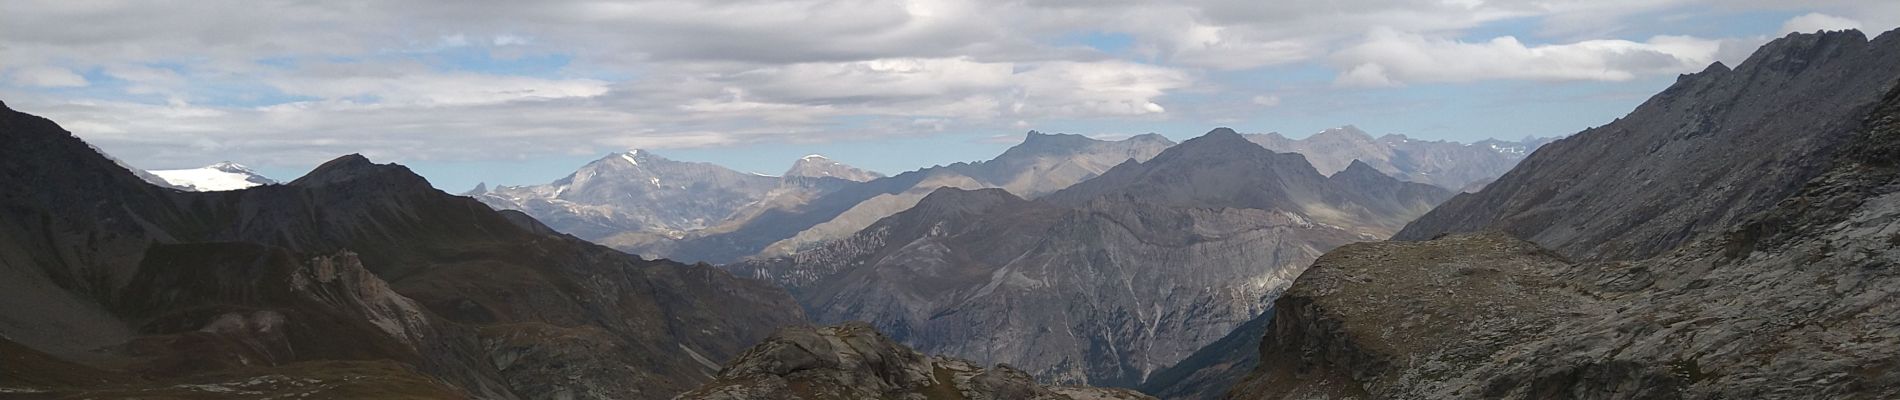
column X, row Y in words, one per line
column 854, row 361
column 1796, row 300
column 355, row 279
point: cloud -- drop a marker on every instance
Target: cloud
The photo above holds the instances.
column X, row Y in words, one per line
column 46, row 77
column 296, row 82
column 1390, row 58
column 438, row 89
column 1811, row 22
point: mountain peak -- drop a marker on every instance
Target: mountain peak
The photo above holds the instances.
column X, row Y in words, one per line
column 355, row 168
column 817, row 166
column 217, row 177
column 231, row 167
column 1344, row 132
column 1039, row 139
column 1149, row 137
column 1219, row 137
column 1360, row 170
column 1218, row 145
column 1798, row 51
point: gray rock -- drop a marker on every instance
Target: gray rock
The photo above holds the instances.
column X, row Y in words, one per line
column 854, row 361
column 1715, row 147
column 1793, row 301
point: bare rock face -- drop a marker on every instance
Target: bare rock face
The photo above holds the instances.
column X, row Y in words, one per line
column 1697, row 158
column 356, row 268
column 1794, row 301
column 1109, row 280
column 854, row 361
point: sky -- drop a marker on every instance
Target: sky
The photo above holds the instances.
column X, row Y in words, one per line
column 514, row 92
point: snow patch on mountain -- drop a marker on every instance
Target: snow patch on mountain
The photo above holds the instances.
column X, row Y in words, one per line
column 214, row 178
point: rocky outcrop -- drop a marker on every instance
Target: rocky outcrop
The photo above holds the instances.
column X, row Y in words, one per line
column 1042, row 164
column 1789, row 302
column 1717, row 146
column 354, row 263
column 1106, row 281
column 1450, row 165
column 854, row 361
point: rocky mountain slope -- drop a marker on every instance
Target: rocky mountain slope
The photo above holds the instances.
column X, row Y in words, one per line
column 1715, row 147
column 854, row 361
column 1043, row 163
column 212, row 178
column 355, row 269
column 1449, row 165
column 1791, row 301
column 1108, row 280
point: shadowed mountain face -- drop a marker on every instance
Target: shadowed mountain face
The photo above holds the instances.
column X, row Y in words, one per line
column 1108, row 280
column 1449, row 165
column 1712, row 149
column 1793, row 300
column 353, row 268
column 1043, row 163
column 854, row 361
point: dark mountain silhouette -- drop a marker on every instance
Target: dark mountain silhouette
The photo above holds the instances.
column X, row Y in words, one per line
column 354, row 268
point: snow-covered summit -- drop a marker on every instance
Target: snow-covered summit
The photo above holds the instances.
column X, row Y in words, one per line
column 214, row 178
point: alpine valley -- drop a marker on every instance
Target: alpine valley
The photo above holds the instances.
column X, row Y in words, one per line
column 1734, row 236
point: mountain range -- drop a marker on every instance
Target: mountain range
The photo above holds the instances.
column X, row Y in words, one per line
column 355, row 278
column 739, row 215
column 1109, row 279
column 1735, row 236
column 747, row 216
column 1450, row 165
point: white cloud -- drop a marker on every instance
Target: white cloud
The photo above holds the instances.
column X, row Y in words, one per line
column 1818, row 22
column 440, row 89
column 45, row 76
column 510, row 40
column 1388, row 58
column 296, row 82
